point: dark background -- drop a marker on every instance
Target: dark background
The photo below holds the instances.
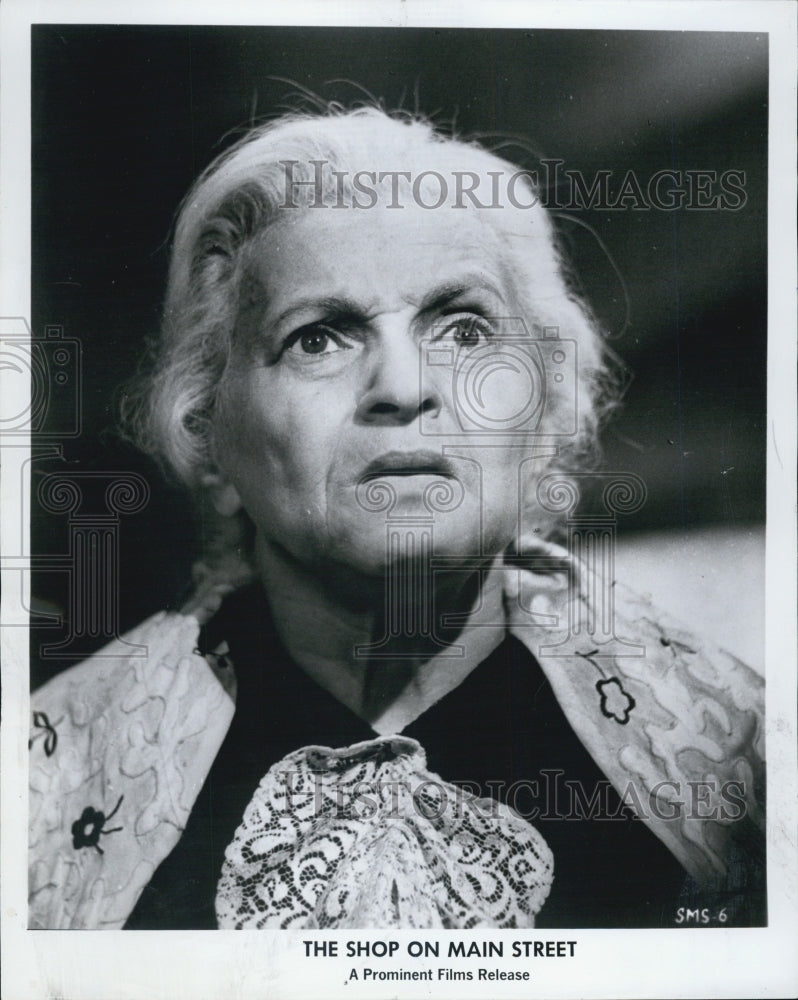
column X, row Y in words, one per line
column 125, row 117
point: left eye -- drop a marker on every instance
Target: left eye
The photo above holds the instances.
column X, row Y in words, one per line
column 315, row 342
column 468, row 331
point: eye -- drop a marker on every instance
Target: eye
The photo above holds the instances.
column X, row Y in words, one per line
column 467, row 330
column 314, row 342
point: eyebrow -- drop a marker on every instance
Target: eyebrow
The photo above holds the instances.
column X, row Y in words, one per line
column 336, row 306
column 346, row 309
column 446, row 293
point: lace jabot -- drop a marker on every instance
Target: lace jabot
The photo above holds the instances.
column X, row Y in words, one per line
column 366, row 836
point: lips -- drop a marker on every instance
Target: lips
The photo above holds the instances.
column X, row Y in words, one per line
column 408, row 463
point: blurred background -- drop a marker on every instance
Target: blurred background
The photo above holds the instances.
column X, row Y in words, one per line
column 125, row 117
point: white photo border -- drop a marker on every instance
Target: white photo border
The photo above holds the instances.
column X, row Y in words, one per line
column 722, row 962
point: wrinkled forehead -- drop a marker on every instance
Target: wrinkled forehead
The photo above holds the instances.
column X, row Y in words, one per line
column 446, row 230
column 381, row 257
column 397, row 246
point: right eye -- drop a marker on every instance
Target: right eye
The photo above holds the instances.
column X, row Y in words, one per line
column 313, row 343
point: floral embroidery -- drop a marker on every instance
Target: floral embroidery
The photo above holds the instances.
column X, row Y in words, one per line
column 87, row 830
column 40, row 721
column 615, row 702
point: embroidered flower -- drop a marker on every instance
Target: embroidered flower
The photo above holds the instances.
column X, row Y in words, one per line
column 86, row 831
column 40, row 721
column 615, row 702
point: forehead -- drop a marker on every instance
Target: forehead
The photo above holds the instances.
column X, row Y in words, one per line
column 390, row 255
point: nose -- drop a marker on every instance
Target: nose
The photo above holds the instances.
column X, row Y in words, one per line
column 399, row 387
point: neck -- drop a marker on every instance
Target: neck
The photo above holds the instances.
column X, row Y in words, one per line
column 337, row 627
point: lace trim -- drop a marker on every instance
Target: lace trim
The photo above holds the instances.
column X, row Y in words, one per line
column 366, row 836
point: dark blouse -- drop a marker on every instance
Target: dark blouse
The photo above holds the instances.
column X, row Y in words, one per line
column 500, row 733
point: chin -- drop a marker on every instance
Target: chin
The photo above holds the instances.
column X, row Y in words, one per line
column 413, row 542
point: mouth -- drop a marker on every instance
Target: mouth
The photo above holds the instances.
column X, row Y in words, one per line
column 408, row 463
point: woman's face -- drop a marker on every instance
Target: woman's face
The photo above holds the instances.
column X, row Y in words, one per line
column 352, row 369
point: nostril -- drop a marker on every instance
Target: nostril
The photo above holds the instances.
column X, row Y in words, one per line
column 428, row 404
column 391, row 409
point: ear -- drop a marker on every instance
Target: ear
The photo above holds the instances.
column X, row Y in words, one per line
column 223, row 494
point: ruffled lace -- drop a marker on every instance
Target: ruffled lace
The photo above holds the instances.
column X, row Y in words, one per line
column 366, row 836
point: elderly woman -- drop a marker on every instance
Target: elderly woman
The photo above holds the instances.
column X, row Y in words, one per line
column 394, row 700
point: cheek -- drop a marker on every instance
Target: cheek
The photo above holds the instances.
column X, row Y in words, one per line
column 500, row 486
column 510, row 480
column 498, row 390
column 248, row 441
column 271, row 441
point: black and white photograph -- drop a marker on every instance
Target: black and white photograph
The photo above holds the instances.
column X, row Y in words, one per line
column 398, row 533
